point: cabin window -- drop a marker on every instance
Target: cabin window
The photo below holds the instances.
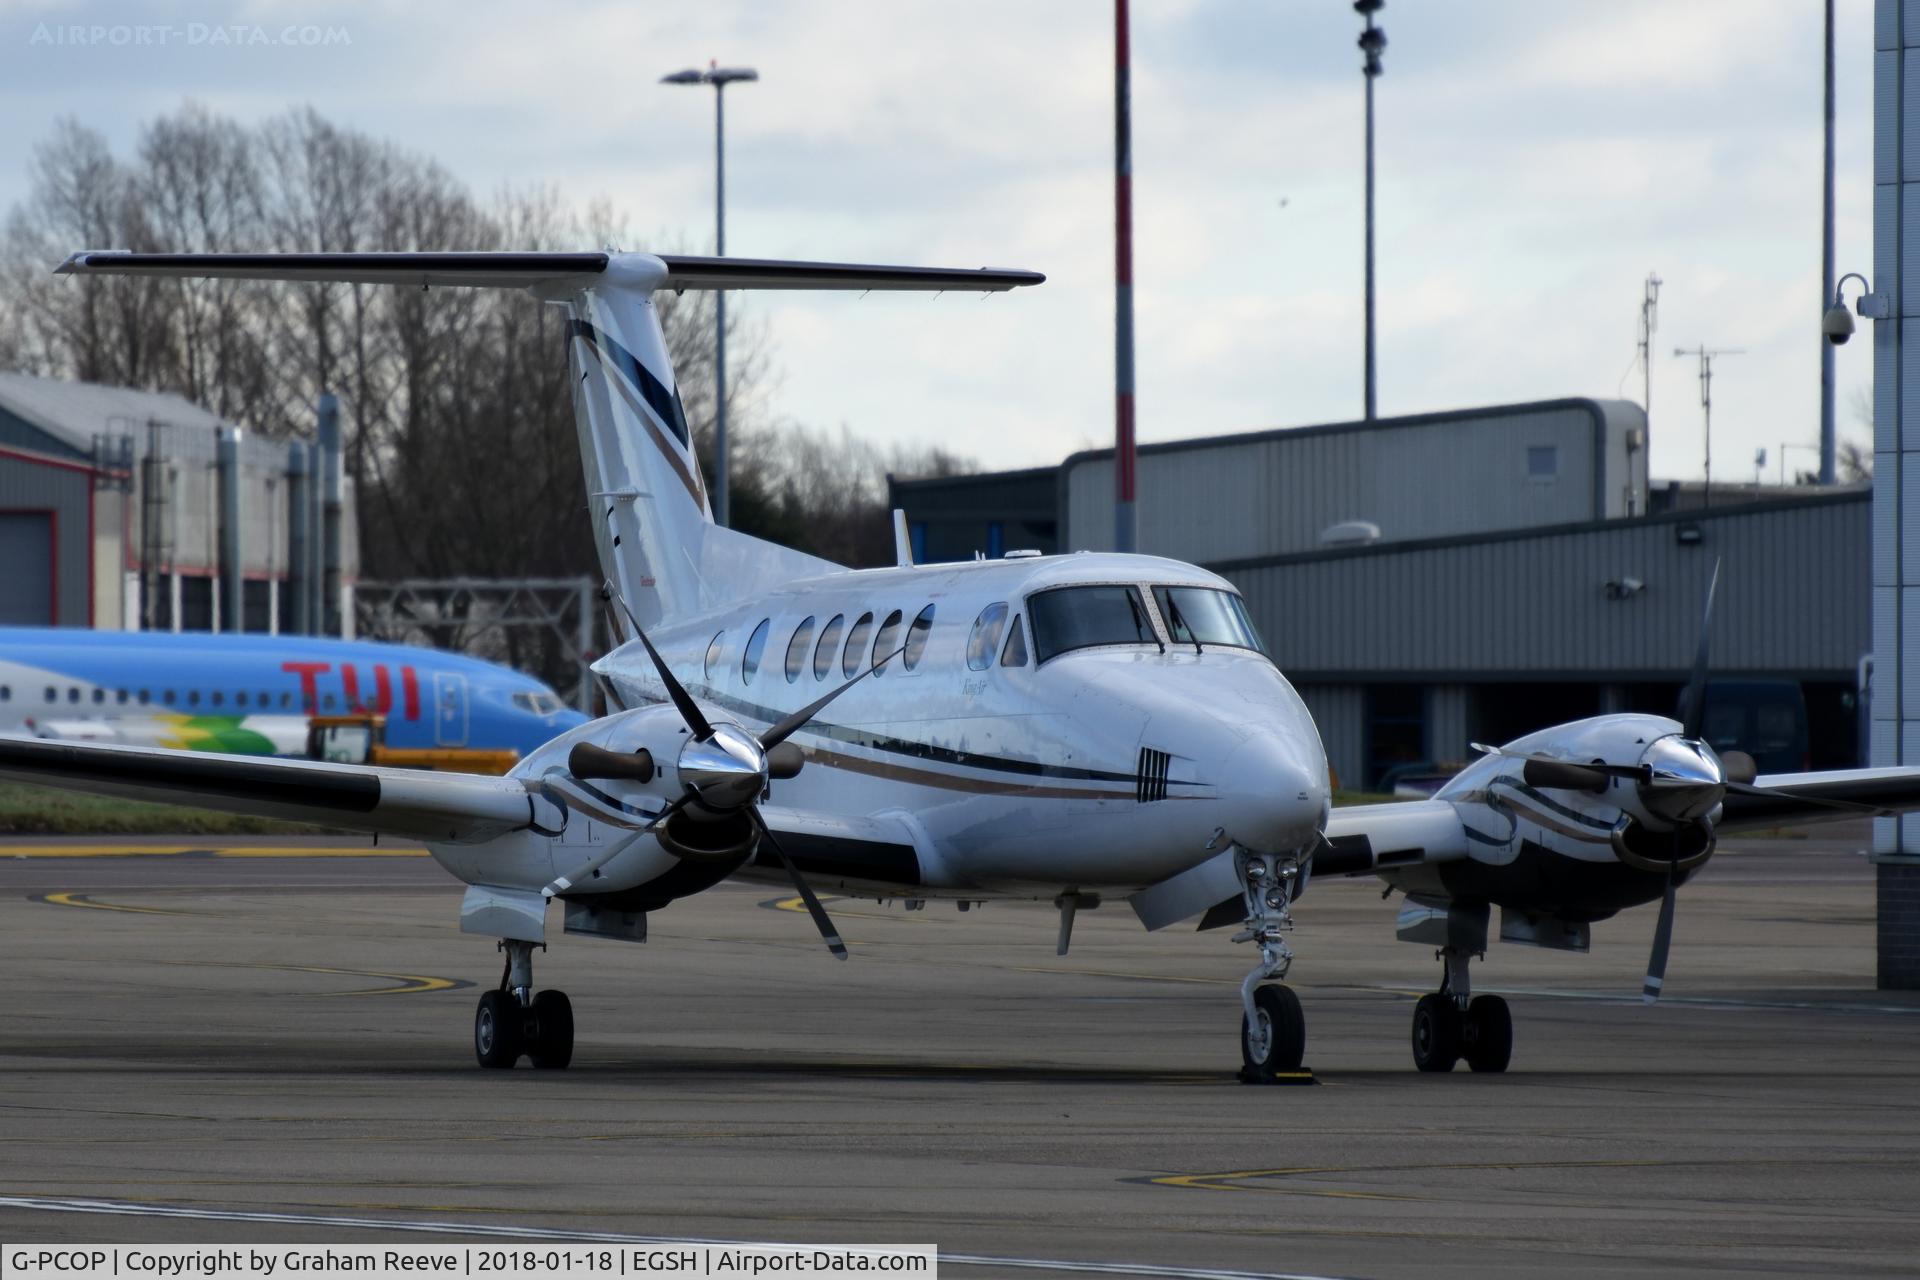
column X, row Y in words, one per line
column 985, row 637
column 240, row 698
column 73, row 693
column 6, row 693
column 120, row 696
column 193, row 697
column 756, row 645
column 1015, row 654
column 917, row 636
column 218, row 697
column 1204, row 615
column 797, row 650
column 167, row 697
column 886, row 642
column 52, row 694
column 145, row 697
column 328, row 702
column 1068, row 618
column 856, row 645
column 99, row 696
column 714, row 647
column 828, row 646
column 286, row 699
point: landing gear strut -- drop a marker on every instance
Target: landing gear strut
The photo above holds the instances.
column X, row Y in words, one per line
column 1273, row 1031
column 1453, row 1023
column 512, row 1020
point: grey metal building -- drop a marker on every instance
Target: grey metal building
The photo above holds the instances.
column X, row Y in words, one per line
column 111, row 513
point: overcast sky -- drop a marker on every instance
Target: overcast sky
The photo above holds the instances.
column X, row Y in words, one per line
column 1535, row 161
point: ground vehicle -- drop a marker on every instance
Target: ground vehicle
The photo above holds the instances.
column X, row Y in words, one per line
column 362, row 739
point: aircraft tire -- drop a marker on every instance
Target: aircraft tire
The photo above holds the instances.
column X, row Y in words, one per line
column 1287, row 1042
column 552, row 1045
column 1487, row 1040
column 498, row 1030
column 1436, row 1033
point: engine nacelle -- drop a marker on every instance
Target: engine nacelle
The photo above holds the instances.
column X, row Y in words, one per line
column 1680, row 849
column 721, row 838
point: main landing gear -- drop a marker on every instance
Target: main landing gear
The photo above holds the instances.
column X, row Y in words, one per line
column 1273, row 1031
column 1452, row 1023
column 512, row 1020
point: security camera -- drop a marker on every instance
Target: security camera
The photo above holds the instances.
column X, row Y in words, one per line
column 1837, row 324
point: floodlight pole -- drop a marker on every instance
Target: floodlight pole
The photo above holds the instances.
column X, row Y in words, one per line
column 1826, row 272
column 1125, row 456
column 719, row 77
column 1372, row 41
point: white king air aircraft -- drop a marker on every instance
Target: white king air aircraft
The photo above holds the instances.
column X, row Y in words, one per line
column 1067, row 729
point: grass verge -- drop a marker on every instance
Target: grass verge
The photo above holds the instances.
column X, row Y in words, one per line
column 44, row 811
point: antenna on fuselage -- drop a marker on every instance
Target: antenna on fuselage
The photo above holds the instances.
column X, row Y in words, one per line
column 902, row 542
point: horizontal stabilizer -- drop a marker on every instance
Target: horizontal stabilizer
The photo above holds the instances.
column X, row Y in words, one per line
column 480, row 270
column 522, row 270
column 455, row 807
column 771, row 273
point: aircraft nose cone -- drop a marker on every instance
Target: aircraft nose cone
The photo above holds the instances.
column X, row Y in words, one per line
column 1685, row 778
column 1272, row 794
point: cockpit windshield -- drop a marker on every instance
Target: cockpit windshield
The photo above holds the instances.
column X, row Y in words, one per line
column 541, row 704
column 1205, row 615
column 1082, row 617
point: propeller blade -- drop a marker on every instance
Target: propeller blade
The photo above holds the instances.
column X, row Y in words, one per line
column 670, row 810
column 1845, row 806
column 563, row 883
column 792, row 724
column 1662, row 939
column 821, row 920
column 1694, row 708
column 1739, row 766
column 682, row 700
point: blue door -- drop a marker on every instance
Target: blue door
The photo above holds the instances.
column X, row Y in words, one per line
column 449, row 709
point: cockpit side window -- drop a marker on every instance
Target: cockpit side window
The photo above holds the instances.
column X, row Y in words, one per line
column 985, row 637
column 713, row 654
column 1068, row 618
column 1015, row 653
column 1206, row 615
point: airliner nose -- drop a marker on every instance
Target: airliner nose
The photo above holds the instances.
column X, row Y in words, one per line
column 1273, row 795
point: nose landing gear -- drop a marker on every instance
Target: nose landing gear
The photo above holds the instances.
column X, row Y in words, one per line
column 513, row 1021
column 1273, row 1031
column 1452, row 1023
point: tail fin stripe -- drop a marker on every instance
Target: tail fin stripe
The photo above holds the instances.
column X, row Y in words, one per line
column 637, row 378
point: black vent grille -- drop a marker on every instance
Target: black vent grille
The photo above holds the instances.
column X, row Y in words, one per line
column 1151, row 783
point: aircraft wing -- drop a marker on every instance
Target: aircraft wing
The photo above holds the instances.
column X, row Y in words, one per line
column 1827, row 796
column 1361, row 839
column 453, row 807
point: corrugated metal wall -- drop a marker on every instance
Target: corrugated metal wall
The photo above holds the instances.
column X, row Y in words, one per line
column 31, row 486
column 1794, row 600
column 1340, row 712
column 1433, row 476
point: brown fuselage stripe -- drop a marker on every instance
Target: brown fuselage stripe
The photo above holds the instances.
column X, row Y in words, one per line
column 976, row 786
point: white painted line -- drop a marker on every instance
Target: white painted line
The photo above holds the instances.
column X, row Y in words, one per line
column 137, row 1209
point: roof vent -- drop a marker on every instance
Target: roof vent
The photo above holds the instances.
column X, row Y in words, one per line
column 1350, row 533
column 1026, row 554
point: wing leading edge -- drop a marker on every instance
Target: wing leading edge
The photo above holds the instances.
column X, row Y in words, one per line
column 453, row 807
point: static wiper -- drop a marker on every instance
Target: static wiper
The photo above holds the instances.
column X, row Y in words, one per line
column 1140, row 619
column 1174, row 616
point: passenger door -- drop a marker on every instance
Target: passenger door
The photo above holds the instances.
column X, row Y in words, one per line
column 450, row 709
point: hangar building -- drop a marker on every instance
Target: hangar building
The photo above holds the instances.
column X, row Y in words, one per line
column 1451, row 578
column 111, row 514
